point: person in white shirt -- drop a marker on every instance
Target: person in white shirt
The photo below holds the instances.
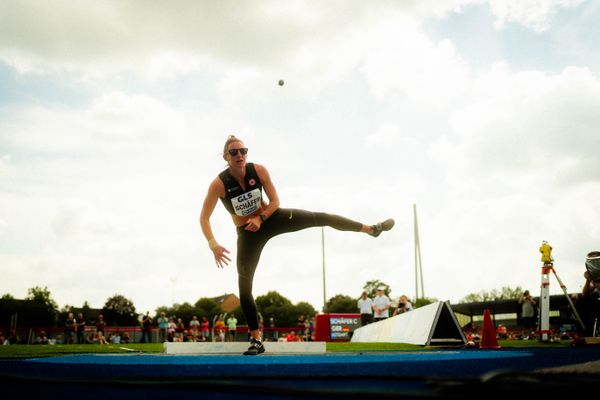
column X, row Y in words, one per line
column 365, row 306
column 381, row 305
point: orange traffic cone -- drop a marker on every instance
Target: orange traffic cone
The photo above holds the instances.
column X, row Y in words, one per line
column 488, row 333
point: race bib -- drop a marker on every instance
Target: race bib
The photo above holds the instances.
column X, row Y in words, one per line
column 247, row 203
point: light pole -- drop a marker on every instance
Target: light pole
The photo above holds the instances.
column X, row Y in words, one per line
column 323, row 258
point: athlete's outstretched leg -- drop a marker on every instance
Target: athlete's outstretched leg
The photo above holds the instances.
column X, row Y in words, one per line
column 286, row 220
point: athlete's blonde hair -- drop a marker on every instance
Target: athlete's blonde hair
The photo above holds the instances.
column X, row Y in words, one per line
column 230, row 139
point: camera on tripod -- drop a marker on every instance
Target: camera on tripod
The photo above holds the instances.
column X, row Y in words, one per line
column 546, row 251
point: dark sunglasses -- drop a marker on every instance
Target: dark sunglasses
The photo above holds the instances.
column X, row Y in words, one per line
column 233, row 152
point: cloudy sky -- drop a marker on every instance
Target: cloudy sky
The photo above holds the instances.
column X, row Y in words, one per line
column 113, row 114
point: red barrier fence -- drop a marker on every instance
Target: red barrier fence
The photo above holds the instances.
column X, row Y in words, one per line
column 28, row 335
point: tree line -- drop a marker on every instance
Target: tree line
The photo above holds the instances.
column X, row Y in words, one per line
column 38, row 309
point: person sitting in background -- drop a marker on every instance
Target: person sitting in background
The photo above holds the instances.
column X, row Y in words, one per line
column 291, row 337
column 99, row 338
column 41, row 338
column 13, row 338
column 125, row 338
column 115, row 338
column 502, row 332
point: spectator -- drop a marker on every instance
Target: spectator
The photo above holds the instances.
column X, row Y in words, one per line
column 146, row 328
column 205, row 326
column 381, row 305
column 70, row 328
column 125, row 338
column 180, row 327
column 588, row 304
column 2, row 338
column 99, row 338
column 300, row 324
column 311, row 329
column 80, row 329
column 42, row 338
column 232, row 327
column 195, row 327
column 274, row 333
column 502, row 332
column 163, row 324
column 404, row 305
column 220, row 329
column 261, row 327
column 171, row 330
column 528, row 311
column 115, row 338
column 100, row 324
column 291, row 337
column 89, row 339
column 365, row 308
column 12, row 338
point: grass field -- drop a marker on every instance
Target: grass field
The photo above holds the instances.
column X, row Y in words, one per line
column 26, row 351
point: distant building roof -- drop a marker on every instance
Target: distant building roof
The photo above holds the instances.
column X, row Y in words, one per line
column 227, row 302
column 557, row 302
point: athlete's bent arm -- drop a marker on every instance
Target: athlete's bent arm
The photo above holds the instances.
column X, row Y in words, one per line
column 210, row 201
column 255, row 221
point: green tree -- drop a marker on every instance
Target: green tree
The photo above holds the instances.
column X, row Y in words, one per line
column 119, row 310
column 281, row 309
column 46, row 308
column 185, row 311
column 306, row 309
column 7, row 296
column 423, row 301
column 207, row 307
column 371, row 288
column 42, row 296
column 341, row 303
column 239, row 315
column 506, row 293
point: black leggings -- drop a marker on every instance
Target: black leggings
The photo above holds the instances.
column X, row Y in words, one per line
column 250, row 245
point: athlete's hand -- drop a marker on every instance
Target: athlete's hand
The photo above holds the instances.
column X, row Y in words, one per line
column 253, row 223
column 221, row 258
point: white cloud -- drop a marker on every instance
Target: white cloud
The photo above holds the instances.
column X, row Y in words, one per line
column 402, row 60
column 533, row 14
column 375, row 116
column 530, row 121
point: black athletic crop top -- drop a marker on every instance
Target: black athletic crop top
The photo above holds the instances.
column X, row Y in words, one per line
column 236, row 200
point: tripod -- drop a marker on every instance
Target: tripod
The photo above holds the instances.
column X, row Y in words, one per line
column 545, row 301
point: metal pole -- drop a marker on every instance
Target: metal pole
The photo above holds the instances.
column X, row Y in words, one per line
column 416, row 238
column 323, row 260
column 418, row 264
column 573, row 308
column 544, row 318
